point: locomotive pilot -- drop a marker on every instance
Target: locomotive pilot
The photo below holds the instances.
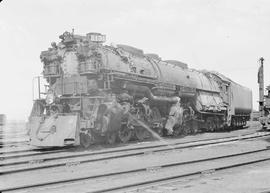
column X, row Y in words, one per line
column 175, row 117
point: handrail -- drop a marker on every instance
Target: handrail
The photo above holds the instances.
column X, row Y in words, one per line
column 39, row 93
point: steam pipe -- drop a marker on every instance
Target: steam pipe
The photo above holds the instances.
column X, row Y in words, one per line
column 149, row 94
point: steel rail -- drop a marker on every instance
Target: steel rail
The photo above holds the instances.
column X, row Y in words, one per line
column 41, row 149
column 35, row 152
column 192, row 173
column 129, row 154
column 108, row 151
column 19, row 151
column 143, row 169
column 115, row 151
column 9, row 143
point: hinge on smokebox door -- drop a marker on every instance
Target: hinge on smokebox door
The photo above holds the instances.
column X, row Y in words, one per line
column 108, row 78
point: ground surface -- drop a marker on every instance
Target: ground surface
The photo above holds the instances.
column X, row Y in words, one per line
column 252, row 178
column 249, row 179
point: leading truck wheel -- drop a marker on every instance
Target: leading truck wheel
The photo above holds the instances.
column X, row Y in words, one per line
column 124, row 134
column 86, row 140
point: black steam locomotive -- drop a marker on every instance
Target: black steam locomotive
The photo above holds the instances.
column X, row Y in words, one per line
column 98, row 92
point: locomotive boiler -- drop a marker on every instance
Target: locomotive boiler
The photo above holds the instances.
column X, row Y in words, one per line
column 96, row 92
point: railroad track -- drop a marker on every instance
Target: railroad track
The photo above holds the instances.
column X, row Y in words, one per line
column 33, row 154
column 12, row 135
column 29, row 152
column 151, row 184
column 32, row 151
column 14, row 139
column 148, row 173
column 12, row 143
column 43, row 163
column 49, row 151
column 22, row 165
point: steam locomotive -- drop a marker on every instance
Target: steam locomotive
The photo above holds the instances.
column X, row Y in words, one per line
column 95, row 92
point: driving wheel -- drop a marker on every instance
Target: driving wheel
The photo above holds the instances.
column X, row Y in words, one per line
column 124, row 134
column 140, row 133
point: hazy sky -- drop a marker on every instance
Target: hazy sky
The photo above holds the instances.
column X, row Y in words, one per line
column 227, row 36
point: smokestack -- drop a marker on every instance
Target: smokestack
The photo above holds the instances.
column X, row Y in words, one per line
column 261, row 86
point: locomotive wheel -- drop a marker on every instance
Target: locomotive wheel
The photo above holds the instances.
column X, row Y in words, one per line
column 193, row 128
column 177, row 131
column 86, row 140
column 111, row 138
column 159, row 131
column 210, row 124
column 124, row 134
column 184, row 130
column 155, row 114
column 218, row 124
column 188, row 129
column 141, row 133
